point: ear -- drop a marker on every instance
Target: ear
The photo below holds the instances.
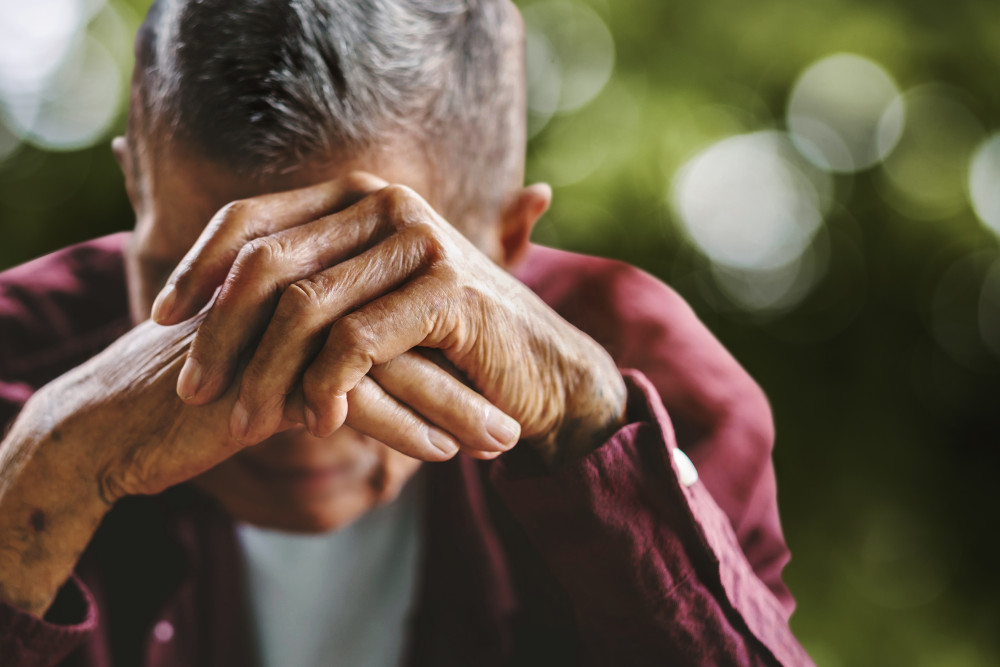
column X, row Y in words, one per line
column 519, row 218
column 119, row 146
column 123, row 156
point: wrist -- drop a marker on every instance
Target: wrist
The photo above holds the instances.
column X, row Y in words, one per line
column 594, row 408
column 49, row 509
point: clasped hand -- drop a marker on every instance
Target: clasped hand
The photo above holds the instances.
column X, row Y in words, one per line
column 331, row 319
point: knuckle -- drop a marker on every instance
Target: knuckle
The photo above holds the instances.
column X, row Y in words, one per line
column 361, row 183
column 134, row 474
column 447, row 274
column 259, row 254
column 402, row 205
column 235, row 212
column 353, row 333
column 396, row 194
column 302, row 300
column 110, row 487
column 422, row 237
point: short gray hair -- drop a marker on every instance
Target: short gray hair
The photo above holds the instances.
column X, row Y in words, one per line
column 262, row 86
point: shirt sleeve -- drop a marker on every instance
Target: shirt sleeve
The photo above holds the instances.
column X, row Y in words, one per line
column 29, row 641
column 719, row 416
column 56, row 312
column 652, row 567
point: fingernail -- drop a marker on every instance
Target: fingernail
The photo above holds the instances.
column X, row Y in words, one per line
column 502, row 428
column 312, row 421
column 239, row 421
column 163, row 306
column 442, row 442
column 189, row 381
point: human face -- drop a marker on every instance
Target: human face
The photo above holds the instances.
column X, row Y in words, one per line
column 292, row 481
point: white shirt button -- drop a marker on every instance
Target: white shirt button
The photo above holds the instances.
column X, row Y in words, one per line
column 163, row 631
column 685, row 469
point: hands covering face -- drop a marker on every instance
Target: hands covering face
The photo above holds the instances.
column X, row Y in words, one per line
column 383, row 316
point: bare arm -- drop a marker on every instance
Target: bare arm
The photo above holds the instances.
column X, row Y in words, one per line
column 48, row 508
column 108, row 428
column 115, row 426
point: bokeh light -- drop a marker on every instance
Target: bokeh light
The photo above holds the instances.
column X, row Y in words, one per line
column 35, row 38
column 60, row 87
column 844, row 113
column 580, row 145
column 926, row 176
column 752, row 206
column 79, row 105
column 984, row 183
column 570, row 57
column 746, row 204
column 770, row 290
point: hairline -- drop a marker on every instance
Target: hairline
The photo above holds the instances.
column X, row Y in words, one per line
column 151, row 126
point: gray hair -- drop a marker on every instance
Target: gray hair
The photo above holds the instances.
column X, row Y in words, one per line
column 262, row 86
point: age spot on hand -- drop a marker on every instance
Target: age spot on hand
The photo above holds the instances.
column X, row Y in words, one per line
column 38, row 521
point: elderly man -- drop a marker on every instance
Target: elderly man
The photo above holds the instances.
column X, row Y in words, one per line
column 223, row 415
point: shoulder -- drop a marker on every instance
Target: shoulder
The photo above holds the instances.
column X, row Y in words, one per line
column 60, row 309
column 603, row 294
column 66, row 269
column 622, row 307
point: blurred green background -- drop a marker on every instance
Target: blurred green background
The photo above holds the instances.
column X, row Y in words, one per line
column 821, row 180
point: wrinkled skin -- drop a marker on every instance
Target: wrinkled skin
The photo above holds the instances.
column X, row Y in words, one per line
column 355, row 290
column 356, row 333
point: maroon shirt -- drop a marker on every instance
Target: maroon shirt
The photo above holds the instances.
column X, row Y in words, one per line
column 607, row 561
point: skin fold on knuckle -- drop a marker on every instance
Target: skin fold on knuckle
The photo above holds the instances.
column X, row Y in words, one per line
column 354, row 339
column 343, row 363
column 301, row 305
column 401, row 207
column 236, row 216
column 357, row 185
column 257, row 262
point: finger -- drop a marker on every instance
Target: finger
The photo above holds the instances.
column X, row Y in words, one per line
column 295, row 407
column 204, row 267
column 236, row 318
column 377, row 414
column 296, row 332
column 263, row 269
column 445, row 401
column 372, row 335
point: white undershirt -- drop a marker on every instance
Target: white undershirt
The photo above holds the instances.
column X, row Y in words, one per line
column 341, row 599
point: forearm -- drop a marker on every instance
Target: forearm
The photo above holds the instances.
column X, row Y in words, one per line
column 49, row 508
